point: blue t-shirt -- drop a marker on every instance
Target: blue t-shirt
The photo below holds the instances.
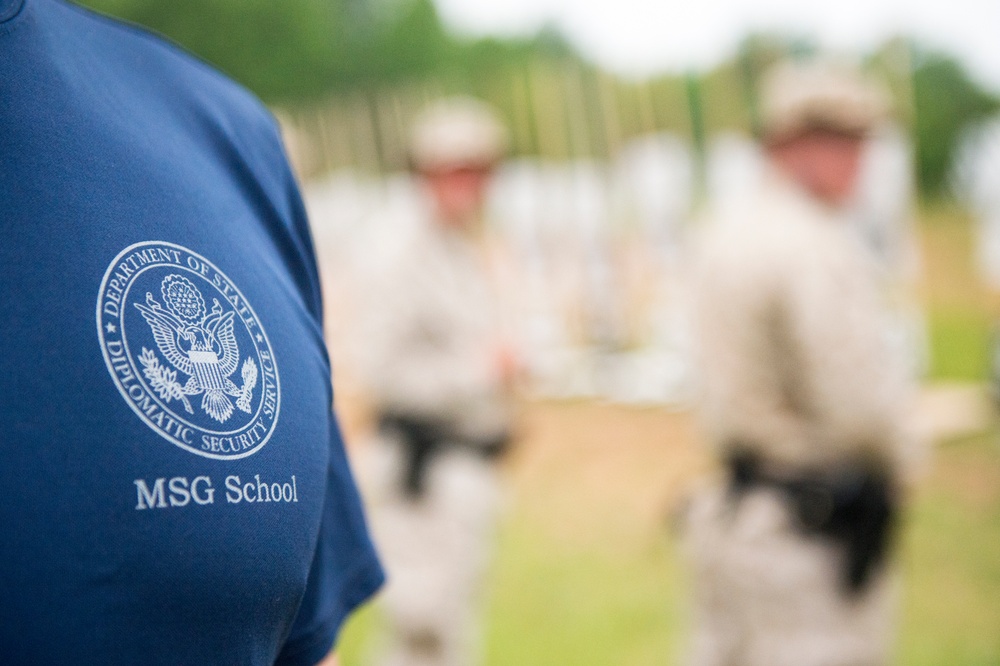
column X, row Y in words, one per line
column 173, row 484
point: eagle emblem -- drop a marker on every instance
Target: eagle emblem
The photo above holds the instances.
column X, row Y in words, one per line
column 198, row 343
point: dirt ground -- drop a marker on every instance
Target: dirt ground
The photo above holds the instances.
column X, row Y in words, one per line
column 575, row 461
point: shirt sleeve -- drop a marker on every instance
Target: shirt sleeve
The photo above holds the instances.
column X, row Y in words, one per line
column 345, row 570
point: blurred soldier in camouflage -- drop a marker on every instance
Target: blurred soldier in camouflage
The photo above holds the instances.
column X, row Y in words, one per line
column 801, row 397
column 441, row 373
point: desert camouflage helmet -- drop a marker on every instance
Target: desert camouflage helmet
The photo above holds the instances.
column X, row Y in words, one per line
column 821, row 94
column 457, row 132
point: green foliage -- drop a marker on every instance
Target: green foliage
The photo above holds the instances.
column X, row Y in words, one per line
column 282, row 51
column 946, row 102
column 295, row 51
column 409, row 44
column 298, row 50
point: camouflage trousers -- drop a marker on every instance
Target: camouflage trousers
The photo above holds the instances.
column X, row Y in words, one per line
column 436, row 549
column 768, row 595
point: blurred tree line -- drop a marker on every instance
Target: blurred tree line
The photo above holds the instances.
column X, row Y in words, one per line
column 296, row 51
column 299, row 52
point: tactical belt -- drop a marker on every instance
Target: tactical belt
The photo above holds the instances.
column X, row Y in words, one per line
column 852, row 505
column 424, row 438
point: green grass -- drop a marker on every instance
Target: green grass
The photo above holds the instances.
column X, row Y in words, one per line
column 960, row 343
column 601, row 602
column 957, row 304
column 554, row 603
column 355, row 642
column 951, row 560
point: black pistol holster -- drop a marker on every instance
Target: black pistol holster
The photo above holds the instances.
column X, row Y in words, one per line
column 853, row 505
column 423, row 438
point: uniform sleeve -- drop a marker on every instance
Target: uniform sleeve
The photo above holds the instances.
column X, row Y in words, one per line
column 345, row 570
column 736, row 296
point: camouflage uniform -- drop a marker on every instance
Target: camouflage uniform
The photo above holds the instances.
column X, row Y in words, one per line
column 797, row 385
column 444, row 412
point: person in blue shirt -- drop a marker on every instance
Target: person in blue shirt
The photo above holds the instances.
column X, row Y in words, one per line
column 174, row 484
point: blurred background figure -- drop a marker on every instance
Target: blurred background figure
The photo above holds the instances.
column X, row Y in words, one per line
column 977, row 180
column 440, row 370
column 883, row 198
column 654, row 179
column 735, row 164
column 882, row 209
column 802, row 398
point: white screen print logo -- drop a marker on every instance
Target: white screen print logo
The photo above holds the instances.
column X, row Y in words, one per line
column 187, row 351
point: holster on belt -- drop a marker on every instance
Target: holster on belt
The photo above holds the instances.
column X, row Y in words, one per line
column 854, row 505
column 423, row 438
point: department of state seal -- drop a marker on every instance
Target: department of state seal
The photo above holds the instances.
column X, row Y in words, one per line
column 187, row 351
